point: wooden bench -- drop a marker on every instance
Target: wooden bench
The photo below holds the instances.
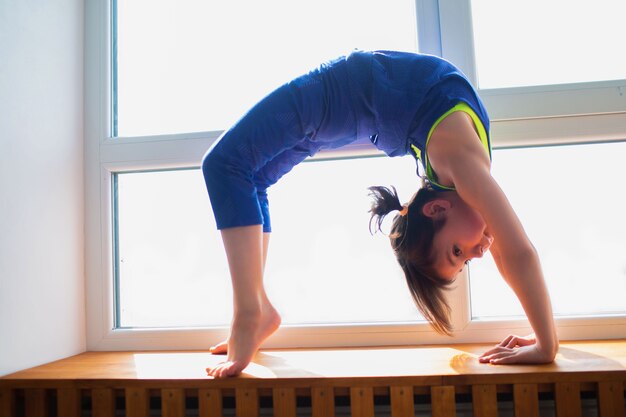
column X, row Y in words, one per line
column 321, row 382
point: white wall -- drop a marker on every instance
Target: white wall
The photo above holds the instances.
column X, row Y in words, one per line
column 42, row 308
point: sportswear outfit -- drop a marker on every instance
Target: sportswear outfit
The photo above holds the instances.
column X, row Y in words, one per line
column 393, row 99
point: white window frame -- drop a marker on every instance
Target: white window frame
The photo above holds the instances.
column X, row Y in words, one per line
column 520, row 117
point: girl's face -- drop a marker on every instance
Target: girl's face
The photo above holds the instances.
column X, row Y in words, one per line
column 463, row 237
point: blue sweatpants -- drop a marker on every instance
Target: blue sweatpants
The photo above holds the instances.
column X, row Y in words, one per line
column 296, row 120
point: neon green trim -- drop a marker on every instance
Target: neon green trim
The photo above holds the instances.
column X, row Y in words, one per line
column 417, row 151
column 482, row 134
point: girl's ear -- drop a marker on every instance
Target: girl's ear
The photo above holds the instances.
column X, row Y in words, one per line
column 436, row 208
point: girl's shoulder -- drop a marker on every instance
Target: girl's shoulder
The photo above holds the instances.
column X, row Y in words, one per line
column 455, row 145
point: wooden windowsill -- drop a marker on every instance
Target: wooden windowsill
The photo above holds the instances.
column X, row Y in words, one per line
column 322, row 383
column 427, row 365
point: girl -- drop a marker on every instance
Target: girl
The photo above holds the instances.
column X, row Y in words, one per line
column 404, row 103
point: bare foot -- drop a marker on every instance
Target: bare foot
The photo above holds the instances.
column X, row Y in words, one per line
column 246, row 336
column 220, row 348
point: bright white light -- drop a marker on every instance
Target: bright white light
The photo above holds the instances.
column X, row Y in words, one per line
column 196, row 65
column 323, row 265
column 569, row 199
column 538, row 42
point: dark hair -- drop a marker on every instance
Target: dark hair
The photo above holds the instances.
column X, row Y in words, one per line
column 411, row 239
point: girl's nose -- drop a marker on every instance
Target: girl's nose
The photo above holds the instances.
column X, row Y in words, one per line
column 479, row 251
column 483, row 246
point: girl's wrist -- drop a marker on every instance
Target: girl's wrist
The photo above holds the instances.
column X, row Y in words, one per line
column 548, row 349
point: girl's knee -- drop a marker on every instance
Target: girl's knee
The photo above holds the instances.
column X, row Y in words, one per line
column 213, row 169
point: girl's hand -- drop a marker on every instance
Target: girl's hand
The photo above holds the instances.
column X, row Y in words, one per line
column 516, row 349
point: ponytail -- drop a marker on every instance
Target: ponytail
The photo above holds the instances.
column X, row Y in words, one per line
column 385, row 201
column 411, row 239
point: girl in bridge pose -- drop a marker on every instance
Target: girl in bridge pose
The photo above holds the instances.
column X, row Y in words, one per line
column 403, row 103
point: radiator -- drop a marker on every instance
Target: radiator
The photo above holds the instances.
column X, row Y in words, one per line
column 586, row 379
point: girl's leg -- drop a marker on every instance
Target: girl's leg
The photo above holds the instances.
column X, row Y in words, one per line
column 222, row 347
column 275, row 135
column 254, row 317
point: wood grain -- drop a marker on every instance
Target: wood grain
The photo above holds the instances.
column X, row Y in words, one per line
column 611, row 399
column 7, row 402
column 286, row 374
column 137, row 402
column 210, row 403
column 247, row 402
column 322, row 401
column 36, row 402
column 362, row 401
column 456, row 364
column 484, row 400
column 526, row 400
column 173, row 402
column 443, row 401
column 68, row 402
column 402, row 402
column 103, row 402
column 567, row 399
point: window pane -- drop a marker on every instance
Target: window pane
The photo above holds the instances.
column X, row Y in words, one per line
column 538, row 42
column 570, row 200
column 194, row 65
column 323, row 265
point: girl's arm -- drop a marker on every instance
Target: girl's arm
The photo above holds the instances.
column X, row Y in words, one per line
column 459, row 159
column 539, row 300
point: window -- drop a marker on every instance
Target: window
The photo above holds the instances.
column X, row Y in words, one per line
column 538, row 43
column 567, row 199
column 321, row 250
column 156, row 99
column 197, row 65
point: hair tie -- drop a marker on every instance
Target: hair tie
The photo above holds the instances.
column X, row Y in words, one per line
column 404, row 211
